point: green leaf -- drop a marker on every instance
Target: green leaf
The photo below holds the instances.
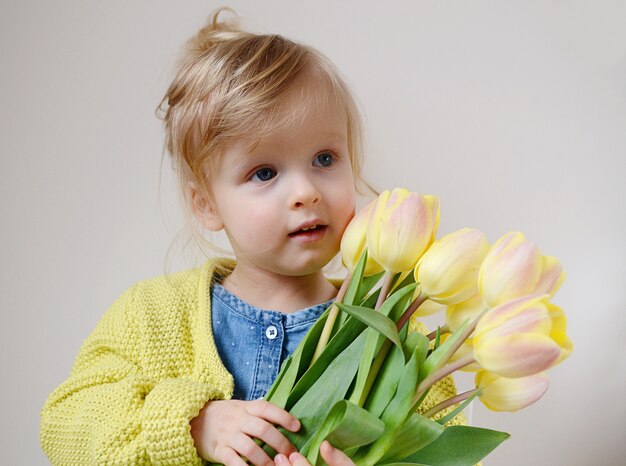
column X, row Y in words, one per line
column 296, row 364
column 395, row 304
column 375, row 320
column 344, row 337
column 441, row 355
column 396, row 412
column 385, row 385
column 374, row 342
column 330, row 387
column 408, row 280
column 367, row 283
column 417, row 432
column 438, row 337
column 355, row 281
column 459, row 446
column 399, row 407
column 346, row 426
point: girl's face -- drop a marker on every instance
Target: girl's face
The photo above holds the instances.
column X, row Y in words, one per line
column 285, row 203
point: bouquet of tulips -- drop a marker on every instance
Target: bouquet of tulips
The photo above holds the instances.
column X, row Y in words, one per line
column 359, row 377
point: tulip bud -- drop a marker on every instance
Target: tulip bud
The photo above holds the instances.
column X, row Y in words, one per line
column 401, row 227
column 514, row 267
column 504, row 394
column 457, row 314
column 353, row 242
column 448, row 270
column 521, row 337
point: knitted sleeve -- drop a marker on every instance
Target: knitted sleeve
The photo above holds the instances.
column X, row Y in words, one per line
column 109, row 412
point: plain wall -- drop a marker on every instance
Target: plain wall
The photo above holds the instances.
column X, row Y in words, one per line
column 513, row 113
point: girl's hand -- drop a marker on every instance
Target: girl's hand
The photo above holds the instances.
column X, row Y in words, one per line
column 224, row 431
column 331, row 455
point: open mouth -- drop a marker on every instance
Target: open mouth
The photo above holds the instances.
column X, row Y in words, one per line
column 309, row 230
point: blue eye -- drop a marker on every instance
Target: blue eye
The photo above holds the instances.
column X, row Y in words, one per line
column 325, row 159
column 264, row 174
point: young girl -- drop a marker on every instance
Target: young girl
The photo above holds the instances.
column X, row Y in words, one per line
column 265, row 136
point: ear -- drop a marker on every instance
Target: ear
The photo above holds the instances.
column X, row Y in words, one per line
column 203, row 208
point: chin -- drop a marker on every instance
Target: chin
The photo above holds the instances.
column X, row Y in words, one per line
column 314, row 265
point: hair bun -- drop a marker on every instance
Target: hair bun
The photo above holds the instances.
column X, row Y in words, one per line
column 215, row 31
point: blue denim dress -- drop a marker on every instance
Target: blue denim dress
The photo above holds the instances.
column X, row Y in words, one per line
column 253, row 342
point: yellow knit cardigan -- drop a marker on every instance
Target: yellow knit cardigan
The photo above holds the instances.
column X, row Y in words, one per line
column 146, row 370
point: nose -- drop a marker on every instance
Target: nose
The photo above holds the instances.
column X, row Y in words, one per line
column 304, row 193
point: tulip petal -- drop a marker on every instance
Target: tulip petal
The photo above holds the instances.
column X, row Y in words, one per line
column 499, row 315
column 448, row 270
column 530, row 319
column 456, row 314
column 511, row 269
column 558, row 333
column 517, row 355
column 353, row 238
column 552, row 276
column 427, row 308
column 506, row 394
column 400, row 229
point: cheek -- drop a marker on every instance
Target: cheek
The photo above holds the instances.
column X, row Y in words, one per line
column 345, row 203
column 259, row 221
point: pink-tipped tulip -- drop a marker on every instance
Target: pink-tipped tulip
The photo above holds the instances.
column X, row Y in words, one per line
column 353, row 242
column 504, row 394
column 521, row 337
column 448, row 270
column 401, row 227
column 514, row 267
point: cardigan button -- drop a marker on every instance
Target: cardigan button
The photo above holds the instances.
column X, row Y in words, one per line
column 271, row 332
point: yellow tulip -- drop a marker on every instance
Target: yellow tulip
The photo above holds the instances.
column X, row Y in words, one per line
column 353, row 242
column 504, row 394
column 521, row 337
column 448, row 270
column 458, row 313
column 514, row 267
column 401, row 227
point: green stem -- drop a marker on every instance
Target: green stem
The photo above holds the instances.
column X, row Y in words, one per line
column 441, row 373
column 384, row 289
column 406, row 316
column 442, row 330
column 450, row 402
column 462, row 337
column 330, row 320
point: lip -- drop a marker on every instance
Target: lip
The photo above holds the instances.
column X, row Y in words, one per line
column 310, row 223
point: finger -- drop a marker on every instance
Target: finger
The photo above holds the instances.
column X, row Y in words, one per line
column 296, row 459
column 274, row 414
column 247, row 447
column 230, row 458
column 282, row 460
column 263, row 430
column 333, row 456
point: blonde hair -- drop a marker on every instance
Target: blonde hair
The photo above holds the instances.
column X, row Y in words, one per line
column 231, row 84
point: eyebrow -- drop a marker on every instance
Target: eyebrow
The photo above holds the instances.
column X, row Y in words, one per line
column 244, row 162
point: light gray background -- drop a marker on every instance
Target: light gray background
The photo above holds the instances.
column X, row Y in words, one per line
column 514, row 113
